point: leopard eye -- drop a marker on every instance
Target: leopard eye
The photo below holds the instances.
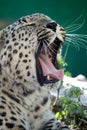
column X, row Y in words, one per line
column 52, row 26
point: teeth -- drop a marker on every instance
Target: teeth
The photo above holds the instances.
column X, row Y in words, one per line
column 48, row 77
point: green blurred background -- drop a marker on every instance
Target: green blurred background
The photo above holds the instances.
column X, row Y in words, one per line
column 63, row 11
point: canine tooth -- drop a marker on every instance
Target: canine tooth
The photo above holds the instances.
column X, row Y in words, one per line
column 48, row 77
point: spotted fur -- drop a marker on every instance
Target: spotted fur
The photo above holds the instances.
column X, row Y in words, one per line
column 24, row 93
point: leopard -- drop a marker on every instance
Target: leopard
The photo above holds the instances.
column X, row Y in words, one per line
column 29, row 69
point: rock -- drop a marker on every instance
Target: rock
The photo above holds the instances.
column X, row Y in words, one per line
column 80, row 82
column 81, row 77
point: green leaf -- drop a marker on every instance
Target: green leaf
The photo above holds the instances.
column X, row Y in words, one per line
column 58, row 116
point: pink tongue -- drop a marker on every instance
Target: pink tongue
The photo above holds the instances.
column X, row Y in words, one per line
column 49, row 69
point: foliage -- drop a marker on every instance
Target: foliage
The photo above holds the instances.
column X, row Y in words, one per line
column 67, row 73
column 72, row 111
column 63, row 64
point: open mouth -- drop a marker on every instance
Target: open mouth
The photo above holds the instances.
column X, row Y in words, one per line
column 47, row 64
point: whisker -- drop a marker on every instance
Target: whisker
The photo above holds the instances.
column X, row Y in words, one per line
column 72, row 43
column 73, row 22
column 78, row 18
column 38, row 46
column 51, row 48
column 45, row 46
column 69, row 40
column 65, row 54
column 78, row 39
column 77, row 43
column 74, row 27
column 77, row 35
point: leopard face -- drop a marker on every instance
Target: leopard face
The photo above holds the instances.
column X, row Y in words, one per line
column 30, row 46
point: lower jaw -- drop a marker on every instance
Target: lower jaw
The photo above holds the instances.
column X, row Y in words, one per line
column 47, row 81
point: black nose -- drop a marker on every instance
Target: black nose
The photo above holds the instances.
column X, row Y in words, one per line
column 52, row 26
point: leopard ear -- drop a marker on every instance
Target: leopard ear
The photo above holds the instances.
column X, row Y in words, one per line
column 1, row 39
column 23, row 22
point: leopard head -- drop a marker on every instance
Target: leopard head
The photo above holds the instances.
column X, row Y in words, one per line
column 30, row 49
